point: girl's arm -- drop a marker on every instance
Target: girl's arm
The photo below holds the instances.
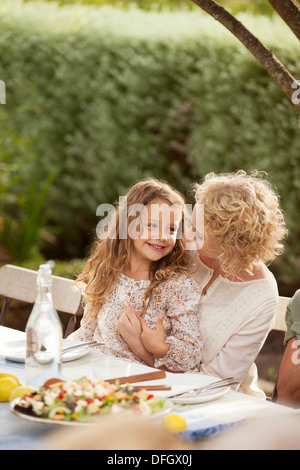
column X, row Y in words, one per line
column 87, row 328
column 154, row 338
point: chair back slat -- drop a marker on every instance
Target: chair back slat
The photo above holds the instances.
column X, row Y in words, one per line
column 279, row 320
column 20, row 284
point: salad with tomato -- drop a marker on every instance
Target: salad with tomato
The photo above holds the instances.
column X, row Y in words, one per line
column 84, row 399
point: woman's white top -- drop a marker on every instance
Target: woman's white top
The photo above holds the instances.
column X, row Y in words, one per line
column 235, row 319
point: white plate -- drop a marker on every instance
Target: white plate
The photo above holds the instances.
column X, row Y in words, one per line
column 202, row 398
column 167, row 407
column 16, row 351
column 187, row 381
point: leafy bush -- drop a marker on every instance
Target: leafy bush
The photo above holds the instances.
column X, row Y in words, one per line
column 69, row 269
column 106, row 97
column 235, row 6
column 127, row 4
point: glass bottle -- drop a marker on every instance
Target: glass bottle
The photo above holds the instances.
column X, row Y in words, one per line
column 43, row 334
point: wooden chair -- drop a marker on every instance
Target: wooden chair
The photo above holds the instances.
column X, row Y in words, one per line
column 20, row 284
column 279, row 320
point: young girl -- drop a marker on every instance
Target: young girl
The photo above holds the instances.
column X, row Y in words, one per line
column 141, row 297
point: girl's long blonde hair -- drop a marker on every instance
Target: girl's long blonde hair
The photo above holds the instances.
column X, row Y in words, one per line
column 110, row 256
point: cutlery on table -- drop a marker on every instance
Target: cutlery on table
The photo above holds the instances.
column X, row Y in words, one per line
column 197, row 391
column 153, row 387
column 80, row 345
column 160, row 374
column 136, row 378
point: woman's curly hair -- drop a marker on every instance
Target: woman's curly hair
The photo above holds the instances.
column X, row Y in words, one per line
column 110, row 255
column 243, row 213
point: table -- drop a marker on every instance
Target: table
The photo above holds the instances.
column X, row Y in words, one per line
column 16, row 433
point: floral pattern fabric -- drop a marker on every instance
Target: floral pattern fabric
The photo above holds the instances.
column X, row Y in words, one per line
column 177, row 300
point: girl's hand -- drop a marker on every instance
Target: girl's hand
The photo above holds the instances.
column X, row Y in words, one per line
column 154, row 338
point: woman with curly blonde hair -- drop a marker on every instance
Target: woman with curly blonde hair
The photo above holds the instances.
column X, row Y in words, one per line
column 244, row 230
column 141, row 298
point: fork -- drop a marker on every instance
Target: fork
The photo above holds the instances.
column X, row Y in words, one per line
column 80, row 345
column 218, row 384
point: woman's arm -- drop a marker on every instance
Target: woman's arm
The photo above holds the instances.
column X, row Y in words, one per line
column 129, row 327
column 182, row 333
column 178, row 350
column 241, row 349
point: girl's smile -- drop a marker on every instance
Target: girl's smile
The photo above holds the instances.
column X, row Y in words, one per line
column 156, row 247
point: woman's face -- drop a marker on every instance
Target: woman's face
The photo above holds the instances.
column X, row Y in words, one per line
column 205, row 240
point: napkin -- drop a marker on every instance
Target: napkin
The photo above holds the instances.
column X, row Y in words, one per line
column 199, row 425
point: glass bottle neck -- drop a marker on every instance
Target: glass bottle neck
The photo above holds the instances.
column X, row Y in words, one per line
column 44, row 293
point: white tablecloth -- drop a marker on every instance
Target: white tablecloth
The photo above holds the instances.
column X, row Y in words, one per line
column 203, row 419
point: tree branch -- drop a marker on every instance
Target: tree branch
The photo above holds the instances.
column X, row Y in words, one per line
column 265, row 56
column 289, row 10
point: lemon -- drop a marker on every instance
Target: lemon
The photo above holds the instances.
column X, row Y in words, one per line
column 20, row 391
column 7, row 385
column 174, row 423
column 3, row 375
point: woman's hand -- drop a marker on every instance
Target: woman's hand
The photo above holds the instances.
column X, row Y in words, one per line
column 154, row 338
column 129, row 327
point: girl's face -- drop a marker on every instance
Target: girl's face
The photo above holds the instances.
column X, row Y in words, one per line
column 158, row 227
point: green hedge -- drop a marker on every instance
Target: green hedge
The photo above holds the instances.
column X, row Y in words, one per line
column 105, row 97
column 143, row 4
column 252, row 6
column 261, row 7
